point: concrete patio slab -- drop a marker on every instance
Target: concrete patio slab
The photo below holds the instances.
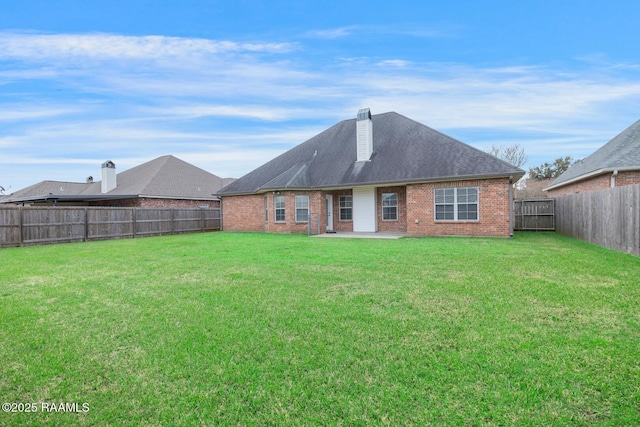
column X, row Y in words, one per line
column 361, row 235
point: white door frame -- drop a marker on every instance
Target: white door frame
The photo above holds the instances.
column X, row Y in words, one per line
column 329, row 211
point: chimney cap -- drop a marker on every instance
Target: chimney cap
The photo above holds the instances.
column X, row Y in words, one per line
column 364, row 114
column 109, row 164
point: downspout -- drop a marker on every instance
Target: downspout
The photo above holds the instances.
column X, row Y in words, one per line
column 613, row 178
column 511, row 212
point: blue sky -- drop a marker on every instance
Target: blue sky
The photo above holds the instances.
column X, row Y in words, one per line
column 228, row 85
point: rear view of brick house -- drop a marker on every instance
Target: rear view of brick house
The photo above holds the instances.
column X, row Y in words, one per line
column 376, row 173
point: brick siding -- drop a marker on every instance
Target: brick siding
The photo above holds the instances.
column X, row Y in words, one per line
column 243, row 213
column 493, row 210
column 145, row 202
column 628, row 178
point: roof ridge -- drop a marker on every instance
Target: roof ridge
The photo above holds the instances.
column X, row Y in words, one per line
column 158, row 163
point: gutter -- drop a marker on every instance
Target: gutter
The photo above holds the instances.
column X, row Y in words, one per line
column 512, row 213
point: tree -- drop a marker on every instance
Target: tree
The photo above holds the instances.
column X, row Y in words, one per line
column 512, row 154
column 551, row 170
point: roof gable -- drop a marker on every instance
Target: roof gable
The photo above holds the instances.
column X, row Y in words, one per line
column 403, row 151
column 167, row 176
column 622, row 152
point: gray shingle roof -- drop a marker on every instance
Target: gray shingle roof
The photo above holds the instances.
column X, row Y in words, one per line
column 403, row 151
column 622, row 152
column 166, row 177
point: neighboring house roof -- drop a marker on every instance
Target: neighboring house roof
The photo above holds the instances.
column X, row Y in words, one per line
column 621, row 153
column 164, row 177
column 404, row 151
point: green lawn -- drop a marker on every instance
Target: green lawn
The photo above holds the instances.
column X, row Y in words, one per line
column 254, row 329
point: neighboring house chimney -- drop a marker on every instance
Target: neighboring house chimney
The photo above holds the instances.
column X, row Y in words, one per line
column 364, row 135
column 108, row 176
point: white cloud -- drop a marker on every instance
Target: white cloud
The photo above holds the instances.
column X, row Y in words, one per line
column 19, row 112
column 332, row 33
column 109, row 46
column 390, row 29
column 248, row 111
column 400, row 63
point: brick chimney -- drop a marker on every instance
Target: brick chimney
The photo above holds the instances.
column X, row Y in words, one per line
column 364, row 135
column 108, row 176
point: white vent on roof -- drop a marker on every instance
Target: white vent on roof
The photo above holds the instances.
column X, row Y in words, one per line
column 364, row 135
column 108, row 176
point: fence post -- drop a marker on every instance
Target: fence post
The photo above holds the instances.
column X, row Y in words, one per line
column 20, row 225
column 134, row 223
column 86, row 224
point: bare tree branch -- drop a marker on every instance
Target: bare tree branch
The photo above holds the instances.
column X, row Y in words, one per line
column 512, row 154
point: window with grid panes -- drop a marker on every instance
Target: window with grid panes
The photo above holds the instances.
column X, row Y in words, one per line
column 279, row 207
column 456, row 204
column 389, row 206
column 302, row 208
column 346, row 208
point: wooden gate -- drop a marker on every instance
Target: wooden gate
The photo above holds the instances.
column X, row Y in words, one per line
column 534, row 215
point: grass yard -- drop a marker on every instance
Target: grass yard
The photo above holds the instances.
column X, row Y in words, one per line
column 255, row 329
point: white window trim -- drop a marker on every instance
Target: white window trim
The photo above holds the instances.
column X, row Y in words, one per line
column 340, row 208
column 275, row 210
column 382, row 206
column 302, row 208
column 455, row 205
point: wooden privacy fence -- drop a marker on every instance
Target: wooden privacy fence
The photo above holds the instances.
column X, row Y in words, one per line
column 609, row 218
column 313, row 226
column 38, row 225
column 534, row 214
